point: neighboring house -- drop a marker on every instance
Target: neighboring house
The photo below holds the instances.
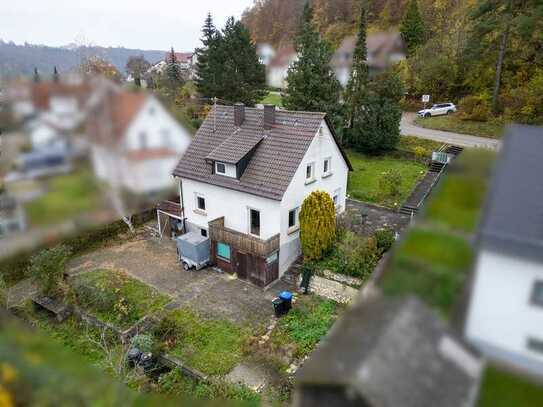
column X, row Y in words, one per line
column 265, row 53
column 44, row 135
column 277, row 68
column 243, row 181
column 384, row 50
column 135, row 142
column 12, row 216
column 18, row 94
column 388, row 353
column 185, row 60
column 505, row 316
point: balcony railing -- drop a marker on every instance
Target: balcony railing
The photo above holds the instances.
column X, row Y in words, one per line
column 242, row 241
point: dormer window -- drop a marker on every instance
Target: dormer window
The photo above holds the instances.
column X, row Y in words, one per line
column 220, row 168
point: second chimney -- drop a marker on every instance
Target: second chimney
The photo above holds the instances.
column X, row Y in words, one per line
column 269, row 116
column 239, row 114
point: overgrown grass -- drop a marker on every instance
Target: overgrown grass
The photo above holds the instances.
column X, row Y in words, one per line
column 408, row 144
column 363, row 182
column 503, row 389
column 213, row 346
column 309, row 320
column 67, row 197
column 491, row 128
column 432, row 265
column 273, row 98
column 115, row 298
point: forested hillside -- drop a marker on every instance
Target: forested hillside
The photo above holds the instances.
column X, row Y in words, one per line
column 22, row 59
column 463, row 43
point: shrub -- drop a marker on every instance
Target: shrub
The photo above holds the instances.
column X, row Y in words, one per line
column 47, row 269
column 143, row 342
column 420, row 153
column 317, row 225
column 476, row 108
column 390, row 183
column 384, row 239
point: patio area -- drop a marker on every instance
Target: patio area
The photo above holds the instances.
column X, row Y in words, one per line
column 211, row 293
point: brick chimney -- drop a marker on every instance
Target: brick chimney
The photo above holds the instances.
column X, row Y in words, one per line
column 239, row 114
column 269, row 116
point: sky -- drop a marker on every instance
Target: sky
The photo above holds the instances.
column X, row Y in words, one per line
column 156, row 24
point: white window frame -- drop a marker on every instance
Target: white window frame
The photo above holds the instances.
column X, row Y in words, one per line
column 217, row 163
column 337, row 194
column 249, row 209
column 309, row 180
column 196, row 207
column 296, row 226
column 328, row 172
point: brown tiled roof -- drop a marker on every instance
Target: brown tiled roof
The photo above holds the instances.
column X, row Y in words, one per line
column 275, row 160
column 235, row 147
column 179, row 56
column 125, row 107
column 42, row 93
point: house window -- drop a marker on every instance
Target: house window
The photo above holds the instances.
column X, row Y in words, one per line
column 335, row 198
column 327, row 166
column 272, row 258
column 535, row 345
column 203, row 232
column 310, row 172
column 537, row 294
column 254, row 219
column 293, row 220
column 220, row 168
column 200, row 203
column 223, row 251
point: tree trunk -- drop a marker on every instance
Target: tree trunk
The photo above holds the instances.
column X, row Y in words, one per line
column 501, row 56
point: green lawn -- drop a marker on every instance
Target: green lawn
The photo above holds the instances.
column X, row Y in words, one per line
column 213, row 346
column 491, row 128
column 304, row 326
column 504, row 389
column 363, row 182
column 115, row 298
column 430, row 264
column 273, row 98
column 67, row 197
column 409, row 143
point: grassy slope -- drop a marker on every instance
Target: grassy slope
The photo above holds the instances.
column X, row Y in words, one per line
column 364, row 180
column 491, row 129
column 503, row 389
column 67, row 197
column 273, row 98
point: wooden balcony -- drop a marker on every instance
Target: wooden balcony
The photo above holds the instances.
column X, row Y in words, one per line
column 242, row 241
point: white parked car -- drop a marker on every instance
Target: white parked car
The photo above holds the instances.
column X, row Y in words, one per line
column 438, row 110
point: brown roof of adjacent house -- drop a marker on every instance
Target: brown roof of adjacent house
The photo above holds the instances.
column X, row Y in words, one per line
column 181, row 57
column 283, row 57
column 42, row 93
column 125, row 106
column 274, row 161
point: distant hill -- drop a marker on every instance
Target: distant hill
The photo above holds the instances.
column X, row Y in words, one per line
column 21, row 59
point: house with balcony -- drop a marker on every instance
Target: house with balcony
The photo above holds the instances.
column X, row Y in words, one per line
column 244, row 178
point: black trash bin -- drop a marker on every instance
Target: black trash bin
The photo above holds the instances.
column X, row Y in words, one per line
column 286, row 296
column 278, row 306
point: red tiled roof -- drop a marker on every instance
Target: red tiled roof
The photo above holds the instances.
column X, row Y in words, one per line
column 42, row 93
column 125, row 107
column 181, row 57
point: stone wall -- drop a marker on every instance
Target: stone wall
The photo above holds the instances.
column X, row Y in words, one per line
column 333, row 290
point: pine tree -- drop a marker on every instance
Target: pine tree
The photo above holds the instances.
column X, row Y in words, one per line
column 204, row 80
column 173, row 75
column 37, row 78
column 317, row 225
column 56, row 76
column 356, row 88
column 311, row 84
column 412, row 27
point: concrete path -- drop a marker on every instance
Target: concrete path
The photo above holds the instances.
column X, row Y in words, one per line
column 409, row 128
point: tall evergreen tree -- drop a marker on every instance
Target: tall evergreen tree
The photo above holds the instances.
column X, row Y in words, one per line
column 37, row 78
column 311, row 84
column 204, row 79
column 412, row 27
column 56, row 76
column 356, row 88
column 173, row 75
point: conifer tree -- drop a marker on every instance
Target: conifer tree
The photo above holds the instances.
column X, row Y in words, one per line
column 317, row 225
column 356, row 88
column 311, row 84
column 412, row 27
column 173, row 75
column 37, row 78
column 204, row 79
column 56, row 76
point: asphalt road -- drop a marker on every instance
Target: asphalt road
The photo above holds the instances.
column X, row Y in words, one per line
column 409, row 128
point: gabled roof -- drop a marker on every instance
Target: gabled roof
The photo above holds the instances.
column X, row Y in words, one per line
column 274, row 161
column 513, row 218
column 394, row 352
column 125, row 107
column 44, row 91
column 181, row 57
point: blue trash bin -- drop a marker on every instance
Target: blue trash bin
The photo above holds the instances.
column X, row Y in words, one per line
column 286, row 296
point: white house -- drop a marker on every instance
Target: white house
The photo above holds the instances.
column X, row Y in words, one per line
column 505, row 316
column 277, row 67
column 135, row 142
column 244, row 178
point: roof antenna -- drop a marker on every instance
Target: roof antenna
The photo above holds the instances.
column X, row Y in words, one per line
column 214, row 114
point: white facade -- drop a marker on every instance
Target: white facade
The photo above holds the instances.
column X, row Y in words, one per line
column 43, row 135
column 503, row 321
column 274, row 215
column 144, row 159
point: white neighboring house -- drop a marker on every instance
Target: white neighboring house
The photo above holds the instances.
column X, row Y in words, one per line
column 44, row 135
column 243, row 181
column 135, row 142
column 277, row 67
column 505, row 316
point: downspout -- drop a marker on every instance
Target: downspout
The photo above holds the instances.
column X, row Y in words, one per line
column 181, row 202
